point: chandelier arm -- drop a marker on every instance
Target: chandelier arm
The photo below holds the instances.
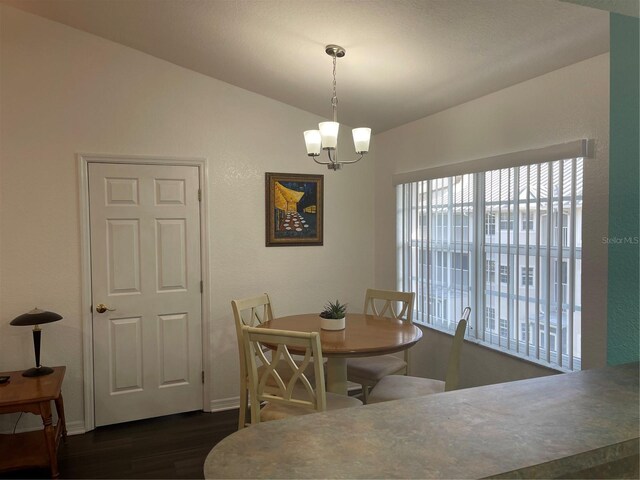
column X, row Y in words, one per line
column 319, row 162
column 334, row 160
column 353, row 161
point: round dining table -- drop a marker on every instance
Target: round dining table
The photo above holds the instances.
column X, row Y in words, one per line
column 364, row 335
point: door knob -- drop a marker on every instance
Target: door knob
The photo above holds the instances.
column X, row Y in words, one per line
column 101, row 308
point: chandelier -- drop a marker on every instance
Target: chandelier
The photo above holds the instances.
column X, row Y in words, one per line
column 326, row 137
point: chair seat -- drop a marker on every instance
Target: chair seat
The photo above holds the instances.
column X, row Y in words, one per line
column 372, row 369
column 275, row 411
column 395, row 387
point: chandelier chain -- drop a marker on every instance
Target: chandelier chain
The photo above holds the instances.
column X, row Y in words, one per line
column 334, row 99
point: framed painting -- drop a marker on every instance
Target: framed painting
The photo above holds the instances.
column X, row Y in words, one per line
column 294, row 209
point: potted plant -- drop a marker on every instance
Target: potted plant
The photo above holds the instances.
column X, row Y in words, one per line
column 332, row 317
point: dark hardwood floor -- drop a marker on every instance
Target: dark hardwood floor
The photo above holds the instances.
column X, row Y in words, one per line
column 167, row 447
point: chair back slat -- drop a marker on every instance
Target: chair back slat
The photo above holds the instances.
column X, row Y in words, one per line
column 252, row 311
column 389, row 303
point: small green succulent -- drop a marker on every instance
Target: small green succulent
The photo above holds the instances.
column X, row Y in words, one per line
column 334, row 310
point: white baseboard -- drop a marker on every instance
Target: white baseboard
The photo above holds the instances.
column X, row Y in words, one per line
column 73, row 428
column 76, row 428
column 224, row 404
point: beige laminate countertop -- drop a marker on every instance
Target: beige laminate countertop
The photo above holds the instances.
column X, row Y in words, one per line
column 568, row 425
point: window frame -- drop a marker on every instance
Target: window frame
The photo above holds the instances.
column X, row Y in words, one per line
column 480, row 274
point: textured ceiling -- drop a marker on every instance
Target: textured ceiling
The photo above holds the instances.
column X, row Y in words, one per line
column 405, row 59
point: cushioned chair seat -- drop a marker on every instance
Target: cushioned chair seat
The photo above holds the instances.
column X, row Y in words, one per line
column 274, row 411
column 364, row 369
column 395, row 387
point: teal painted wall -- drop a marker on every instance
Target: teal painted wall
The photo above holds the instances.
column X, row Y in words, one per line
column 623, row 332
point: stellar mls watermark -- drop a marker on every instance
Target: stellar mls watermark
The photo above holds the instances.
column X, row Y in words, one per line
column 621, row 240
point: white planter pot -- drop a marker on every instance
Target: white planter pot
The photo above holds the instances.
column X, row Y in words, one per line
column 332, row 323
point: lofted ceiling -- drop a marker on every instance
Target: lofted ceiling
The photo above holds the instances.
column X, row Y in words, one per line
column 405, row 59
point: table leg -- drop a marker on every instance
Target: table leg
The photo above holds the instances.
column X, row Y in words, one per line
column 49, row 437
column 337, row 375
column 60, row 412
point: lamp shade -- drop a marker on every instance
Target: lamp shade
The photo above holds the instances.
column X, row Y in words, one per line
column 36, row 317
column 313, row 140
column 361, row 138
column 329, row 134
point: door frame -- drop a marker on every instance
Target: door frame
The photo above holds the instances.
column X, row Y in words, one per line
column 83, row 160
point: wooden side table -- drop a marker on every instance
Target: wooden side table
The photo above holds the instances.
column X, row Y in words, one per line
column 33, row 395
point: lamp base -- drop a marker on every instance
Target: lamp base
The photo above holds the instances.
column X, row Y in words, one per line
column 37, row 372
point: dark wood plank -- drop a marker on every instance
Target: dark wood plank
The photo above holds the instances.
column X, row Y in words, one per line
column 174, row 446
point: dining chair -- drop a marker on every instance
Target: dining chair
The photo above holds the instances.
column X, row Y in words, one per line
column 249, row 311
column 395, row 387
column 291, row 394
column 368, row 371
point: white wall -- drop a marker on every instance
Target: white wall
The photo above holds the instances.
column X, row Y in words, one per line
column 63, row 91
column 564, row 105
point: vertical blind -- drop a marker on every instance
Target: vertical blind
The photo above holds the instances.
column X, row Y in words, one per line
column 507, row 243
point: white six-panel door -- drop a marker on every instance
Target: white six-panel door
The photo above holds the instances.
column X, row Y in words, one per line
column 145, row 268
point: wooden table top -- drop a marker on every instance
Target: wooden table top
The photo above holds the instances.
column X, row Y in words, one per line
column 364, row 335
column 22, row 390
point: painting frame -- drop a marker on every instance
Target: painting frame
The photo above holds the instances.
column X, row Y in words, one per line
column 294, row 209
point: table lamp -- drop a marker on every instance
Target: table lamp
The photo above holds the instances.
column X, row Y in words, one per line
column 36, row 317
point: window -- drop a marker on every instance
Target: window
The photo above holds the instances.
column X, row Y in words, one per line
column 442, row 259
column 532, row 309
column 440, row 227
column 564, row 282
column 504, row 274
column 439, row 309
column 527, row 223
column 440, row 263
column 490, row 318
column 461, row 269
column 557, row 218
column 491, row 271
column 504, row 328
column 526, row 275
column 552, row 338
column 461, row 226
column 506, row 223
column 490, row 224
column 523, row 331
